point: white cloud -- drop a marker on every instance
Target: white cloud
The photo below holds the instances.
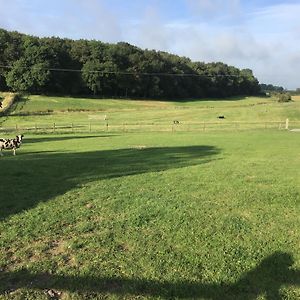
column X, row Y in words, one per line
column 214, row 8
column 264, row 42
column 151, row 32
column 96, row 21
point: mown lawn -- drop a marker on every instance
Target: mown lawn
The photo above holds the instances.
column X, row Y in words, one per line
column 151, row 216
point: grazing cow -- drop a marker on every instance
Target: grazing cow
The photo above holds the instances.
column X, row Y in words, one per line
column 11, row 143
column 176, row 122
column 221, row 117
column 0, row 104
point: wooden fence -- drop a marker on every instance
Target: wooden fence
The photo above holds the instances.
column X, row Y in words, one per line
column 83, row 127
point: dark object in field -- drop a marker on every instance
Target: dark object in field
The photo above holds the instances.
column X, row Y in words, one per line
column 176, row 122
column 0, row 104
column 221, row 117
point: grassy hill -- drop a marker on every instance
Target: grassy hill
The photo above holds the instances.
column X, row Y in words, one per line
column 42, row 109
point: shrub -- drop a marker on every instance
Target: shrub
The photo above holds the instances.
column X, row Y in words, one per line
column 284, row 97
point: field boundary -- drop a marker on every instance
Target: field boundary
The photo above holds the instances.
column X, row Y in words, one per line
column 82, row 127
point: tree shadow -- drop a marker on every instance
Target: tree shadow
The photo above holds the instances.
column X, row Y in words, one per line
column 31, row 178
column 266, row 279
column 65, row 137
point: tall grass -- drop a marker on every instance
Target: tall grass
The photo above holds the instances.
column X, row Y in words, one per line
column 7, row 101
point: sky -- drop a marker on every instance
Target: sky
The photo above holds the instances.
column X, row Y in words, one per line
column 262, row 35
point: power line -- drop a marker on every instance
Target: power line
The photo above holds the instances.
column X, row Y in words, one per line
column 127, row 73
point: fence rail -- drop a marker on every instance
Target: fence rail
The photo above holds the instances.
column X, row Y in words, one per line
column 145, row 127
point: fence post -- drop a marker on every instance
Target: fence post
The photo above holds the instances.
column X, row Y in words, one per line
column 106, row 126
column 90, row 127
column 203, row 126
column 53, row 127
column 287, row 124
column 17, row 127
column 35, row 127
column 72, row 127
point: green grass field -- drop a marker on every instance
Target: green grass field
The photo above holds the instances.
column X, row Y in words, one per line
column 151, row 215
column 46, row 110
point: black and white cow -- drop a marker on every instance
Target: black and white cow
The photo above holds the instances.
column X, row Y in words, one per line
column 11, row 143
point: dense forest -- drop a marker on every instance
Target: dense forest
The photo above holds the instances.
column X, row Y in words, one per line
column 75, row 67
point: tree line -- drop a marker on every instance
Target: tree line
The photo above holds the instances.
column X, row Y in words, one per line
column 75, row 67
column 271, row 88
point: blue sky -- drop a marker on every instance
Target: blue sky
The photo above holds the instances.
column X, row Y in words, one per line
column 261, row 35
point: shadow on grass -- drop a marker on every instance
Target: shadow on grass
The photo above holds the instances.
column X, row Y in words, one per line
column 28, row 179
column 266, row 279
column 65, row 137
